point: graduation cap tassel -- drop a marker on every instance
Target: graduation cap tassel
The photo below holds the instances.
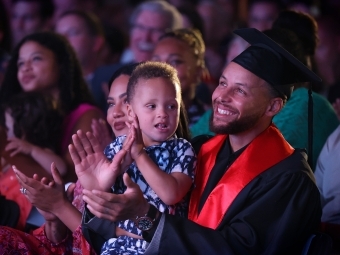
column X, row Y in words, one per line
column 310, row 126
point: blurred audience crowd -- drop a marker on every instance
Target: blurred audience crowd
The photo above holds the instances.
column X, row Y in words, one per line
column 67, row 50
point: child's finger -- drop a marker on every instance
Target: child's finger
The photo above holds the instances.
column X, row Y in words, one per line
column 128, row 124
column 128, row 142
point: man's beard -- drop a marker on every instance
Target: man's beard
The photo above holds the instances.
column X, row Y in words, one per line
column 236, row 126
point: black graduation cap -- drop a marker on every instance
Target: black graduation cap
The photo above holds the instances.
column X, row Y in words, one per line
column 272, row 63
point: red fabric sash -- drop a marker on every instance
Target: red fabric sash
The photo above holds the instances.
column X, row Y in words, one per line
column 266, row 150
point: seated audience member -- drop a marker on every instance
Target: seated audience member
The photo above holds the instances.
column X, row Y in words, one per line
column 214, row 15
column 46, row 62
column 184, row 50
column 148, row 21
column 262, row 13
column 85, row 33
column 61, row 215
column 327, row 178
column 254, row 193
column 33, row 128
column 29, row 17
column 292, row 121
column 327, row 56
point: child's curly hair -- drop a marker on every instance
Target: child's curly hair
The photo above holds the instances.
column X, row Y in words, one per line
column 150, row 70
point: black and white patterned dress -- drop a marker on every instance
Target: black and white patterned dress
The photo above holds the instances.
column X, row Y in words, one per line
column 173, row 155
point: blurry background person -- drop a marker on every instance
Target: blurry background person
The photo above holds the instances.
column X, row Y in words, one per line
column 262, row 13
column 305, row 28
column 184, row 50
column 292, row 120
column 62, row 6
column 46, row 62
column 328, row 181
column 33, row 128
column 148, row 22
column 30, row 16
column 327, row 56
column 85, row 33
column 216, row 35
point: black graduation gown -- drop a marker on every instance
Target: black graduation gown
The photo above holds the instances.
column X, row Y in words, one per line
column 274, row 214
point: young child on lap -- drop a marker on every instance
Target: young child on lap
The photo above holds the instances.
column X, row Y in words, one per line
column 163, row 165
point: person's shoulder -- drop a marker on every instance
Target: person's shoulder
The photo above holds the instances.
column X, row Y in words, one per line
column 333, row 140
column 295, row 164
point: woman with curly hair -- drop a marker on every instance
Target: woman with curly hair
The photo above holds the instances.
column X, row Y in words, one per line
column 46, row 62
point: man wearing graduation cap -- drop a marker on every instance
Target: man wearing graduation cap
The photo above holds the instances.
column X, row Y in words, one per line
column 253, row 193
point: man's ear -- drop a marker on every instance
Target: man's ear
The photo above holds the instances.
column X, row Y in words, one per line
column 274, row 107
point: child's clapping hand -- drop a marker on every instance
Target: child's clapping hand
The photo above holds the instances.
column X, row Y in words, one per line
column 135, row 138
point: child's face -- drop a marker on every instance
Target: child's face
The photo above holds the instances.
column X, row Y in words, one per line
column 156, row 104
column 117, row 109
column 9, row 125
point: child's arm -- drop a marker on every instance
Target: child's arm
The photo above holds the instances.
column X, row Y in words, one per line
column 170, row 188
column 42, row 155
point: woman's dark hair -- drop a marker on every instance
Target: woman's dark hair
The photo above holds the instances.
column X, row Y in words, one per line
column 123, row 70
column 35, row 119
column 72, row 86
column 193, row 16
column 149, row 70
column 288, row 40
column 303, row 25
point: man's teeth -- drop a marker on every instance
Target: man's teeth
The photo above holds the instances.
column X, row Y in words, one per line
column 225, row 112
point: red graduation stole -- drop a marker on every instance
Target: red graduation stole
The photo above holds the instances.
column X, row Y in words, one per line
column 266, row 150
